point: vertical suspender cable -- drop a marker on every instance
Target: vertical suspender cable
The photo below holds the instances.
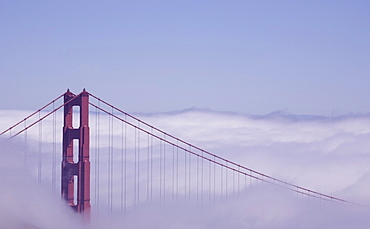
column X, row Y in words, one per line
column 151, row 164
column 122, row 162
column 226, row 180
column 202, row 177
column 135, row 166
column 238, row 179
column 222, row 180
column 138, row 163
column 125, row 173
column 147, row 168
column 209, row 181
column 185, row 173
column 189, row 171
column 93, row 125
column 97, row 177
column 173, row 172
column 250, row 179
column 197, row 174
column 54, row 160
column 112, row 160
column 109, row 163
column 164, row 169
column 233, row 182
column 39, row 161
column 160, row 170
column 177, row 169
column 214, row 179
column 26, row 144
column 245, row 182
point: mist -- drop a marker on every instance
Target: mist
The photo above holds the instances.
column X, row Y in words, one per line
column 23, row 202
column 326, row 154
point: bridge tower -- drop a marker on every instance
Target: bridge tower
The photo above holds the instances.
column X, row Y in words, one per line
column 76, row 165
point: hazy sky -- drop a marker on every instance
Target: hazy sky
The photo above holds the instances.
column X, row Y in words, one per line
column 255, row 57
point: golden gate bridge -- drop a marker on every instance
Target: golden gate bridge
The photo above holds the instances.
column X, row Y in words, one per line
column 101, row 158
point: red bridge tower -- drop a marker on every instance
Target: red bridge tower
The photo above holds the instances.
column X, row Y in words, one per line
column 76, row 171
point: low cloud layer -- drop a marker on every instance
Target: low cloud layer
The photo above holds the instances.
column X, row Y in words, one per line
column 25, row 204
column 325, row 154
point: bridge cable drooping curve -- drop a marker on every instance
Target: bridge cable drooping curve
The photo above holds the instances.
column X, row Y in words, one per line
column 170, row 150
column 212, row 158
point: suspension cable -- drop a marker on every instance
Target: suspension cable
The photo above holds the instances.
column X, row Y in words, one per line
column 42, row 108
column 39, row 120
column 228, row 164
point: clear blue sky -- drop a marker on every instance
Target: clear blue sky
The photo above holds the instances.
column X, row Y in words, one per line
column 256, row 57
